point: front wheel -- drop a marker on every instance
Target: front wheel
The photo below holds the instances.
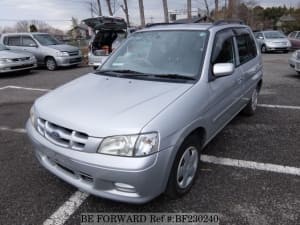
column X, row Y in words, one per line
column 51, row 63
column 263, row 49
column 250, row 108
column 185, row 168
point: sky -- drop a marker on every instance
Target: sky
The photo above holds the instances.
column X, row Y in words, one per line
column 58, row 13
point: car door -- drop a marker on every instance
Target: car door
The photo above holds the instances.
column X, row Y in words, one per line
column 296, row 43
column 30, row 45
column 249, row 62
column 226, row 90
column 292, row 38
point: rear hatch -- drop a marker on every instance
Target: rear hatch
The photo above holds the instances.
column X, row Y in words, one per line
column 109, row 33
column 106, row 23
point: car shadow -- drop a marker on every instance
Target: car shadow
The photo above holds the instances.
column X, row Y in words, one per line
column 12, row 75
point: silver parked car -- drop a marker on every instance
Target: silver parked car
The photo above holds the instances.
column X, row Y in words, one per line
column 109, row 32
column 135, row 127
column 294, row 61
column 47, row 50
column 272, row 40
column 11, row 61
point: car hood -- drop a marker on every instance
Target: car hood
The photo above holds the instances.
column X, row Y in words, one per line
column 104, row 106
column 9, row 54
column 64, row 48
column 277, row 40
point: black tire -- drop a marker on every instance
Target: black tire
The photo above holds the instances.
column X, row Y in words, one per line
column 298, row 72
column 191, row 147
column 51, row 63
column 250, row 108
column 263, row 49
column 95, row 67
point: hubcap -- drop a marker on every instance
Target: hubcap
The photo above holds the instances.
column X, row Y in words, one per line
column 51, row 64
column 187, row 167
column 254, row 99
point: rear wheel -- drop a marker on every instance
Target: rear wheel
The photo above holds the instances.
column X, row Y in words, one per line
column 51, row 63
column 185, row 168
column 250, row 108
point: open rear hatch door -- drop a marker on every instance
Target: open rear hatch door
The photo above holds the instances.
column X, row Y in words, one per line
column 106, row 23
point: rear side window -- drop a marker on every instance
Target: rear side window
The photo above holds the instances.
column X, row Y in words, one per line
column 13, row 41
column 293, row 34
column 246, row 47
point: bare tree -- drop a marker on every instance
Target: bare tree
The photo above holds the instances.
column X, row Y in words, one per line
column 216, row 9
column 142, row 14
column 125, row 9
column 99, row 8
column 166, row 14
column 189, row 9
column 22, row 26
column 108, row 3
column 207, row 8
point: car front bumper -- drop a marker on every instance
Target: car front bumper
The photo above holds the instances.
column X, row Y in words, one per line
column 96, row 60
column 68, row 61
column 13, row 67
column 128, row 179
column 294, row 63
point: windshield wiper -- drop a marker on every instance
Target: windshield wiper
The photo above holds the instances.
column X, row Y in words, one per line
column 127, row 73
column 174, row 76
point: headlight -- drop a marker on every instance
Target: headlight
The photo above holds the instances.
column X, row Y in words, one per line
column 131, row 145
column 32, row 57
column 33, row 116
column 62, row 54
column 5, row 61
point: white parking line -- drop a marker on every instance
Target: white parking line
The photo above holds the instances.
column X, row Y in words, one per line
column 24, row 88
column 63, row 213
column 16, row 130
column 279, row 106
column 251, row 165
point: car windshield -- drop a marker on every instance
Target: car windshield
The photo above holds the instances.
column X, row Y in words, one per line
column 274, row 34
column 3, row 48
column 163, row 54
column 46, row 39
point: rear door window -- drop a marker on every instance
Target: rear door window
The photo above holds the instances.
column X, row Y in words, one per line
column 246, row 47
column 14, row 41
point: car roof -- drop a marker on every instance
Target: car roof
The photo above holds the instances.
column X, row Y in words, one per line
column 193, row 26
column 23, row 33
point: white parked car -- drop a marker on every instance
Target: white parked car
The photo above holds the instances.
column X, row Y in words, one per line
column 294, row 61
column 11, row 61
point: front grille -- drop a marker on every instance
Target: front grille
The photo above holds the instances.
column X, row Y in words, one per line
column 62, row 136
column 76, row 60
column 73, row 53
column 21, row 59
column 22, row 66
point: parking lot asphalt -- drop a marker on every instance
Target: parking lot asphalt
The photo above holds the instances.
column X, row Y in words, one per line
column 29, row 194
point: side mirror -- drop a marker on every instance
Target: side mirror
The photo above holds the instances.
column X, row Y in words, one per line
column 223, row 69
column 33, row 45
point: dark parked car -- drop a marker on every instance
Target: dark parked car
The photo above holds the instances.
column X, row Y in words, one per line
column 294, row 38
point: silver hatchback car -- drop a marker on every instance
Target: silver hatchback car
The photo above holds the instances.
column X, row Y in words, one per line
column 135, row 127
